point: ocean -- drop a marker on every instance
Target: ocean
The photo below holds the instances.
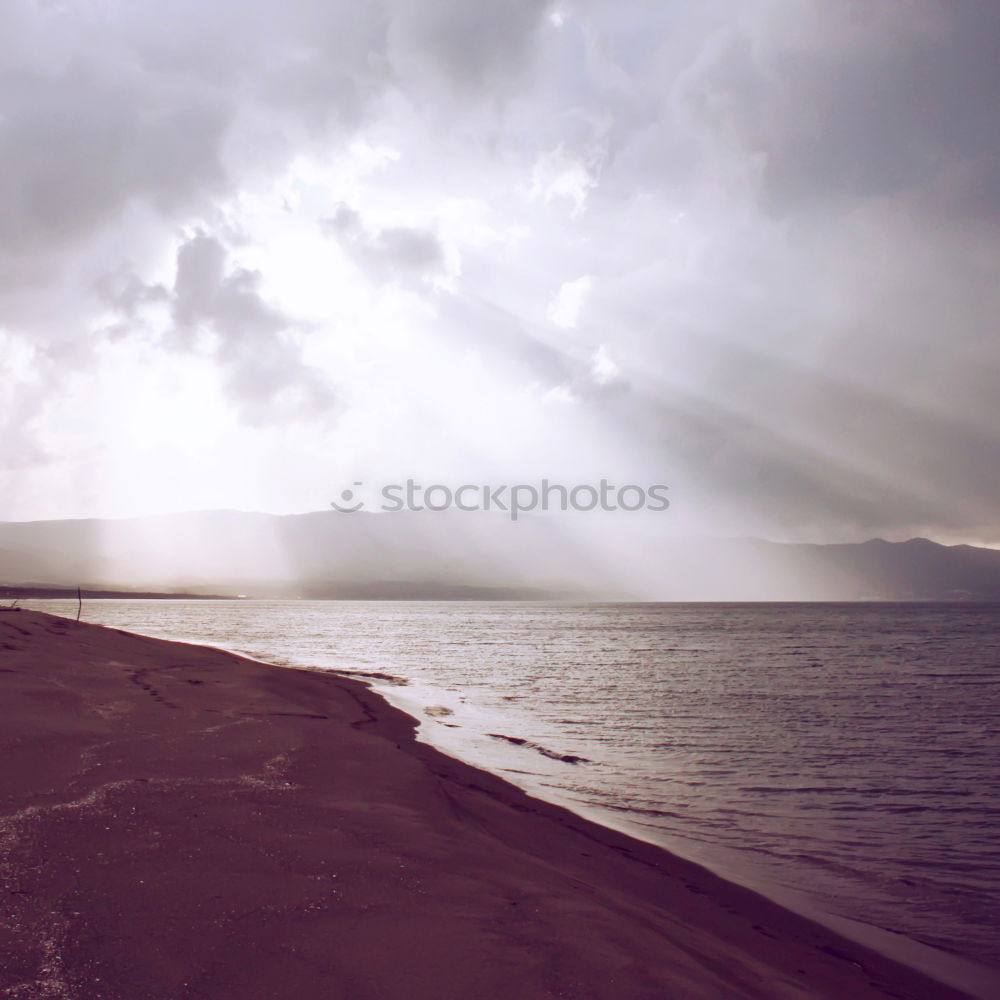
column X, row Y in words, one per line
column 843, row 758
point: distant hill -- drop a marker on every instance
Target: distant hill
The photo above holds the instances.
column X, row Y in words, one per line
column 875, row 570
column 32, row 593
column 479, row 556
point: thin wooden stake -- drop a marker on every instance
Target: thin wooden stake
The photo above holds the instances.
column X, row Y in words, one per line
column 79, row 603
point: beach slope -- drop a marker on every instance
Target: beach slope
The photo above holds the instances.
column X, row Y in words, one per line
column 177, row 822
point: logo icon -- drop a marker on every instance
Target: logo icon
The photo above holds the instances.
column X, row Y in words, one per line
column 347, row 496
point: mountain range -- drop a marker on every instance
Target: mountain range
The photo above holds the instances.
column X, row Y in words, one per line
column 475, row 555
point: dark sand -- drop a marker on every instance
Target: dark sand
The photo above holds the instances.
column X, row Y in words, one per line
column 177, row 822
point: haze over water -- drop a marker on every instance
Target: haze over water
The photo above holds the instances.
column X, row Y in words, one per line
column 847, row 752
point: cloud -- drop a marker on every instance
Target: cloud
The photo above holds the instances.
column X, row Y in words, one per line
column 846, row 102
column 174, row 108
column 253, row 343
column 396, row 253
column 20, row 407
column 566, row 305
column 482, row 48
column 753, row 245
column 120, row 125
column 562, row 177
column 804, row 294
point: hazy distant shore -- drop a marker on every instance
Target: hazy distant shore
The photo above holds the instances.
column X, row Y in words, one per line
column 179, row 821
column 32, row 593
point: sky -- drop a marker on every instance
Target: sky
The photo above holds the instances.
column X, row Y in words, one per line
column 254, row 252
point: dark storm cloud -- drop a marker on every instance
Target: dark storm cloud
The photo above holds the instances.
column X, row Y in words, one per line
column 850, row 101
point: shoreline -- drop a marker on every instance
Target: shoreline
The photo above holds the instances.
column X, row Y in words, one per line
column 951, row 969
column 203, row 770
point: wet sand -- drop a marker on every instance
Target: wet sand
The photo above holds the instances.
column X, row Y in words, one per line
column 178, row 822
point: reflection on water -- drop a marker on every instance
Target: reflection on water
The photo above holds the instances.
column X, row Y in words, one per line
column 848, row 751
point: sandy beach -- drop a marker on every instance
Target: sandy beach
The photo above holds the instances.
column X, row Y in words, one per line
column 178, row 822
